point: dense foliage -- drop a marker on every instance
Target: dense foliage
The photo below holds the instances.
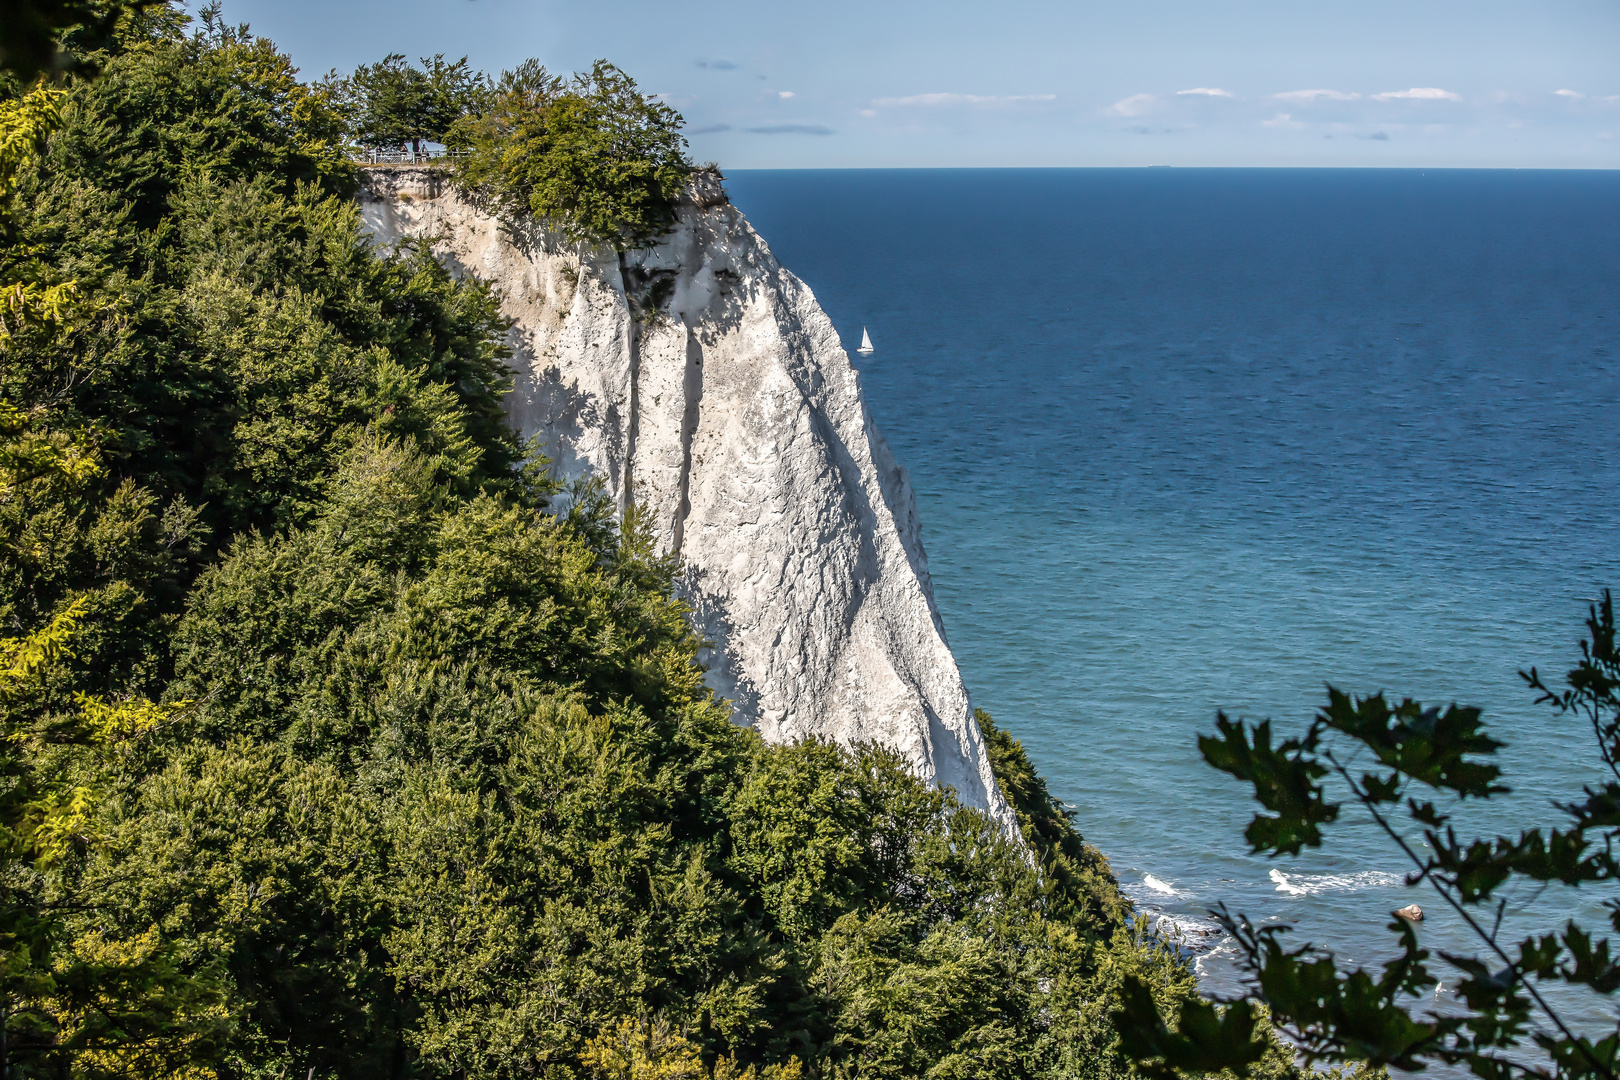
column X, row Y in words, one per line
column 591, row 154
column 53, row 36
column 393, row 102
column 1505, row 1022
column 331, row 750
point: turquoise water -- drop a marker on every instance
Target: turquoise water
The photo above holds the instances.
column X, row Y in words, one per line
column 1188, row 440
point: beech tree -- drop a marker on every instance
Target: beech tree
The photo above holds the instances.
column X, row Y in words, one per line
column 591, row 154
column 393, row 102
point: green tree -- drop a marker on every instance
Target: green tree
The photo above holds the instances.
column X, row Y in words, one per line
column 1417, row 755
column 50, row 37
column 452, row 799
column 593, row 155
column 79, row 997
column 95, row 1003
column 233, row 332
column 340, row 751
column 392, row 102
column 1076, row 875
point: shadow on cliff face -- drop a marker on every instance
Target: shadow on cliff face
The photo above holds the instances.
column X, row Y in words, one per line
column 692, row 389
column 451, row 260
column 557, row 411
column 951, row 768
column 713, row 623
column 704, row 243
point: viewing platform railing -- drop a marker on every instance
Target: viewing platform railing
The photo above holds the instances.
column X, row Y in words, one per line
column 402, row 156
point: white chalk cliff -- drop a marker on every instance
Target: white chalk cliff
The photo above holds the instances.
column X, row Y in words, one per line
column 729, row 412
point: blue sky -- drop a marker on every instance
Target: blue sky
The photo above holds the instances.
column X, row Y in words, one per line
column 872, row 83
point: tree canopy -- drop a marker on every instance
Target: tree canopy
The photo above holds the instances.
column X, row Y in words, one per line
column 591, row 154
column 392, row 102
column 333, row 748
column 52, row 37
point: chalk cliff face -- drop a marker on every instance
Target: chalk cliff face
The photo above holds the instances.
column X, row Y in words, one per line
column 702, row 381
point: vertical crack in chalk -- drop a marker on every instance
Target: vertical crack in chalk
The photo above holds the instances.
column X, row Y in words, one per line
column 692, row 392
column 627, row 497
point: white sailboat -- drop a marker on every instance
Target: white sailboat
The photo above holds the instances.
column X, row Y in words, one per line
column 866, row 342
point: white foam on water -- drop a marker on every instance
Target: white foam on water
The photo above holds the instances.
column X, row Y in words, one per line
column 1220, row 952
column 1194, row 938
column 1284, row 885
column 1199, row 932
column 1160, row 886
column 1312, row 884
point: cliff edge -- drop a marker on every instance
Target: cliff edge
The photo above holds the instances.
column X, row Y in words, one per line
column 704, row 383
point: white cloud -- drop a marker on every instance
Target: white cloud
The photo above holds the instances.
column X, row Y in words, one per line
column 1206, row 91
column 1135, row 105
column 868, row 112
column 1283, row 121
column 959, row 99
column 1315, row 95
column 784, row 93
column 1569, row 93
column 1418, row 93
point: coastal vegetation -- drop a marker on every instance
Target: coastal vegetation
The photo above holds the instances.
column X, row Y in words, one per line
column 591, row 154
column 338, row 744
column 334, row 745
column 393, row 101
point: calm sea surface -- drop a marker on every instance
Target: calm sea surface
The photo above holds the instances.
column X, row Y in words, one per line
column 1188, row 440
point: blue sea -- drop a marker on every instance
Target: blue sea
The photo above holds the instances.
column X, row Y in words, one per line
column 1198, row 440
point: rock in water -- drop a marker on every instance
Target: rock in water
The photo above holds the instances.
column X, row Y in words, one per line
column 702, row 381
column 1411, row 913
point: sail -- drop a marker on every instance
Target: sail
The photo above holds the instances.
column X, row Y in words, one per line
column 866, row 341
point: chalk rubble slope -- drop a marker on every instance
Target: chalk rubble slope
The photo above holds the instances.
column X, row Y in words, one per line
column 731, row 414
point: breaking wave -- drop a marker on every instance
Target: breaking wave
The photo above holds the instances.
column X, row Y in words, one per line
column 1164, row 888
column 1311, row 884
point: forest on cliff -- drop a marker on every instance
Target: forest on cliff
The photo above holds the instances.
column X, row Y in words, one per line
column 336, row 745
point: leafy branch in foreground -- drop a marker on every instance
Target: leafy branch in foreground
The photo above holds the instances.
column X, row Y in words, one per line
column 1336, row 1015
column 32, row 33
